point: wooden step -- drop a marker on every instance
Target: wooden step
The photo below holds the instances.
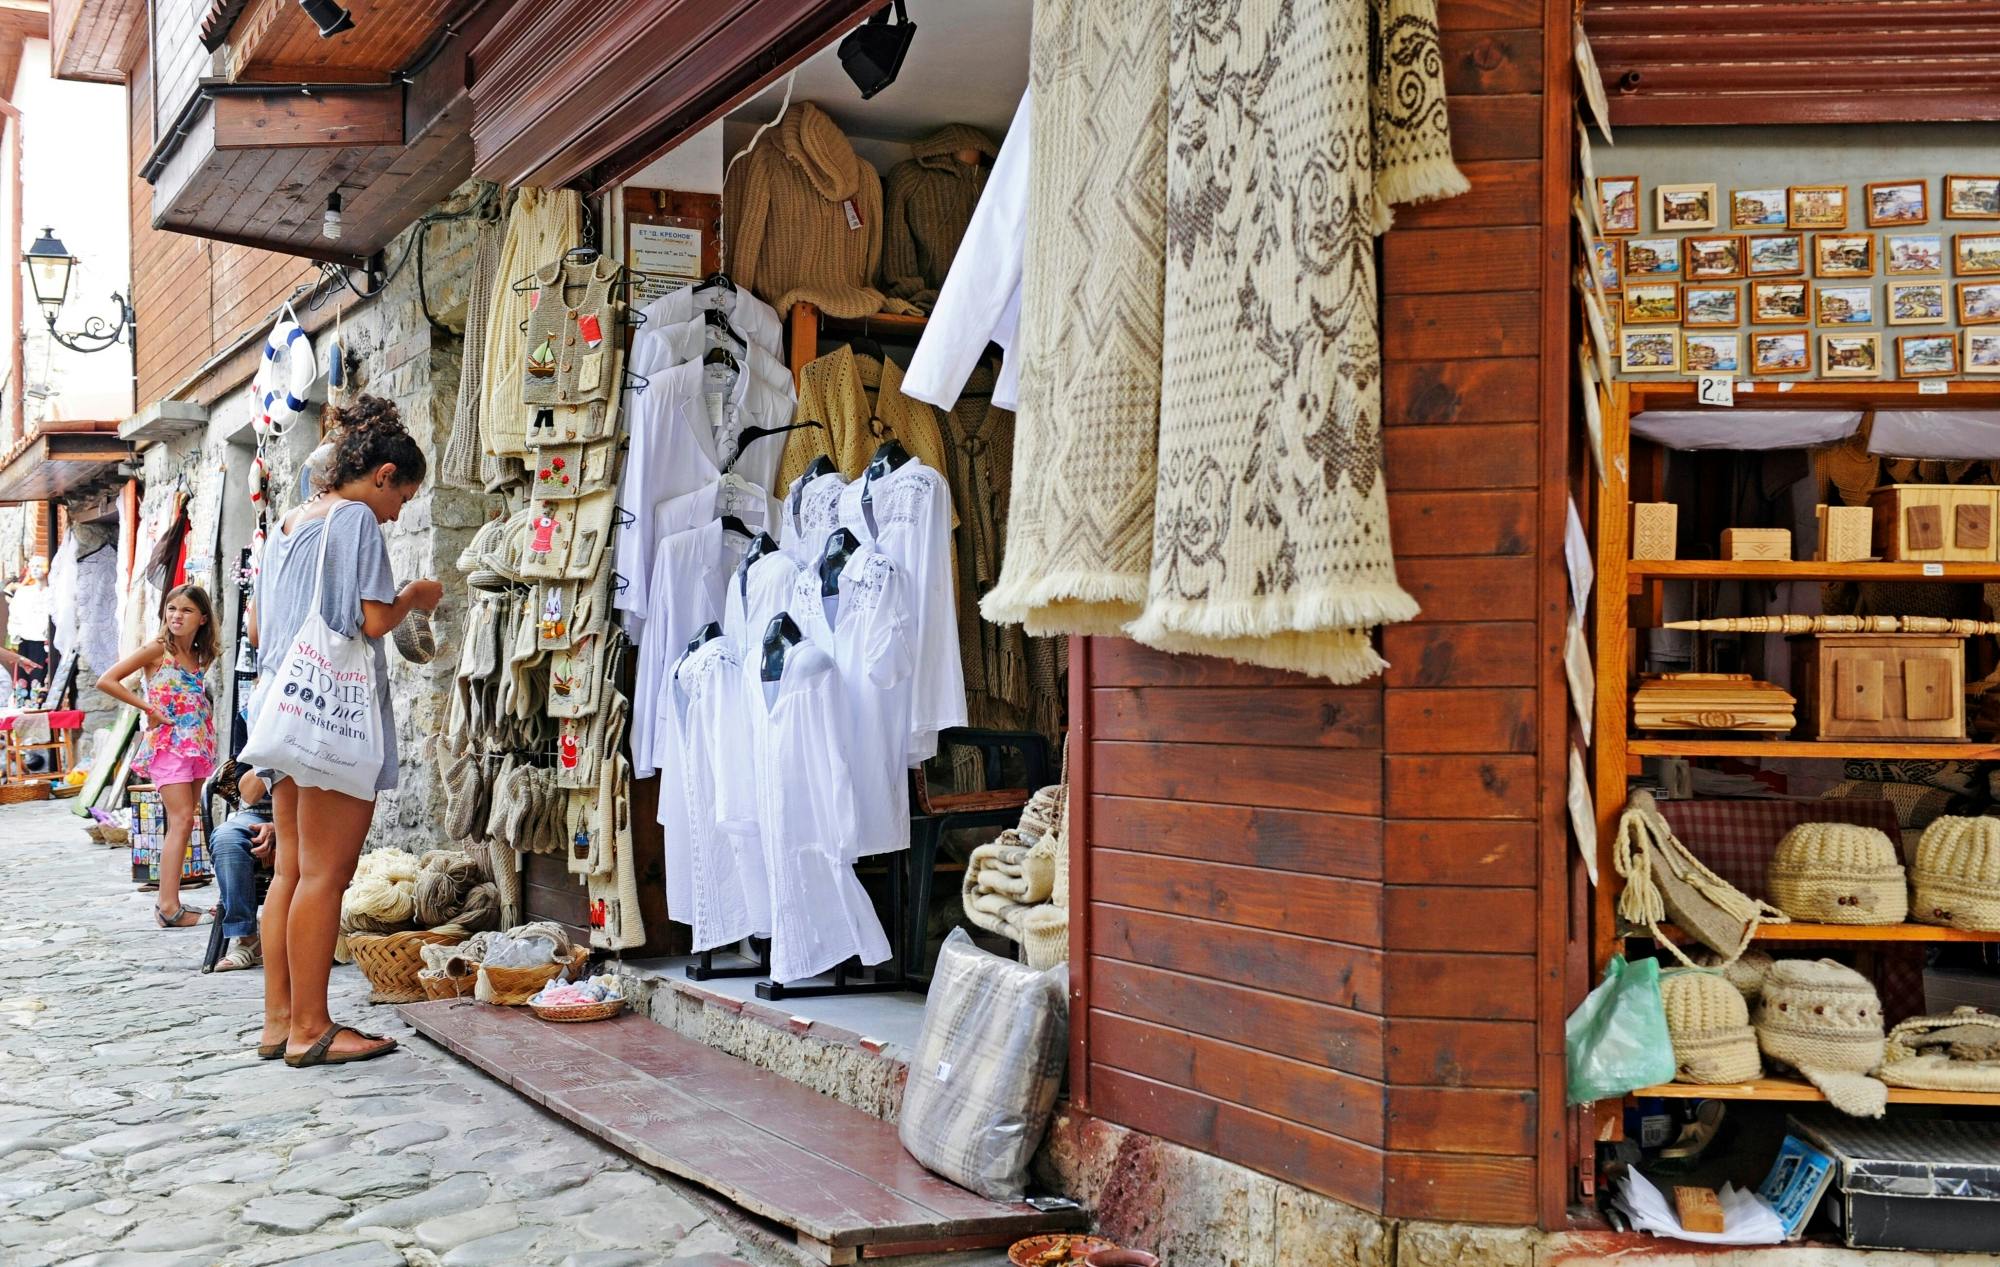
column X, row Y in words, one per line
column 839, row 1178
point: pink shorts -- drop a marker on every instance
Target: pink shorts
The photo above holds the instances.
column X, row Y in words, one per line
column 175, row 767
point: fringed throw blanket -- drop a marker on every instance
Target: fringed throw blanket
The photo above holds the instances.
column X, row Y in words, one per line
column 1285, row 146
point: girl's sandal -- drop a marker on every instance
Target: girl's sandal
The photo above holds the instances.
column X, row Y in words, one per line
column 181, row 918
column 238, row 959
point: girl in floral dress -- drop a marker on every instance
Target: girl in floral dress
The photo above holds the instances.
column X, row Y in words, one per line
column 179, row 746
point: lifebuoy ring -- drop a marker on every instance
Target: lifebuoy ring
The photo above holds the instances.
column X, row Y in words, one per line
column 290, row 341
column 260, row 481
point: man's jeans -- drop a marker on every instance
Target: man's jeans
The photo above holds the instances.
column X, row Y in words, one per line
column 236, row 871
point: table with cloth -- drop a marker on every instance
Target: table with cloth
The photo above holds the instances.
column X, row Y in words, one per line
column 49, row 730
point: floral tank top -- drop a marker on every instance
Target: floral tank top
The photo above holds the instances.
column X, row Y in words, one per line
column 181, row 694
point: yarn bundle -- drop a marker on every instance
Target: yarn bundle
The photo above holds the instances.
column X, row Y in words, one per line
column 394, row 890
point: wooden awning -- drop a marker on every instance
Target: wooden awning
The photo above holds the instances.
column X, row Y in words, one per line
column 93, row 40
column 1797, row 61
column 60, row 459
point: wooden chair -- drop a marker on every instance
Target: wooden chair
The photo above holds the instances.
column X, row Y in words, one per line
column 933, row 814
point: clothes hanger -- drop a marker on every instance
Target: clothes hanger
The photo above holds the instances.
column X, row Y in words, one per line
column 780, row 636
column 707, row 633
column 720, row 356
column 719, row 323
column 759, row 432
column 714, row 280
column 865, row 344
column 731, row 523
column 840, row 547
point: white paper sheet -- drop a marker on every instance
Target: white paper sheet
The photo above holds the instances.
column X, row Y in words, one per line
column 1582, row 815
column 1746, row 1219
column 1582, row 572
column 1582, row 677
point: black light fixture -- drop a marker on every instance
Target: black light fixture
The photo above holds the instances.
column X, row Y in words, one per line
column 872, row 53
column 49, row 263
column 328, row 16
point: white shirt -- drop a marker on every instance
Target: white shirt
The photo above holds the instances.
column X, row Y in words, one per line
column 656, row 350
column 682, row 440
column 685, row 593
column 756, row 594
column 811, row 510
column 754, row 319
column 909, row 517
column 980, row 302
column 806, row 816
column 716, row 882
column 867, row 628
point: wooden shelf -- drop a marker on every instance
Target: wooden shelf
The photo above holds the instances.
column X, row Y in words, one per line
column 1881, row 749
column 1747, row 570
column 1846, row 932
column 893, row 324
column 1792, row 1089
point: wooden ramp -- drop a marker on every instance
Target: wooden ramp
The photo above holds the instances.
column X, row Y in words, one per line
column 837, row 1177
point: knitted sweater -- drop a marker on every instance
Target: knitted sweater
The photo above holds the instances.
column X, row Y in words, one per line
column 861, row 403
column 930, row 200
column 786, row 218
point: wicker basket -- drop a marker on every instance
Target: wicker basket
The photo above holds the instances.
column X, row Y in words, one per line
column 512, row 987
column 569, row 1013
column 391, row 961
column 22, row 793
column 438, row 985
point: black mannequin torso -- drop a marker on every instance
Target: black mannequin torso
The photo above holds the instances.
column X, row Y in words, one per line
column 779, row 638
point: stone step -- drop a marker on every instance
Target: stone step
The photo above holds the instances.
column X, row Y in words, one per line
column 838, row 1177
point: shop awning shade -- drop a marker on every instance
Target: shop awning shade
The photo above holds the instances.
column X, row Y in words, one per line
column 52, row 464
column 1934, row 434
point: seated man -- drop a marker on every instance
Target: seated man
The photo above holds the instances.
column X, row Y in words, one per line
column 239, row 847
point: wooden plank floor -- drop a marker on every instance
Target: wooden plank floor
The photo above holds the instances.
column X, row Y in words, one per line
column 833, row 1174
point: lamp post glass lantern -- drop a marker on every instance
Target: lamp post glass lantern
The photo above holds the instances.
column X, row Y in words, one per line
column 49, row 264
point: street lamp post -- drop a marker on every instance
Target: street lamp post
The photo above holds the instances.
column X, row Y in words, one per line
column 49, row 263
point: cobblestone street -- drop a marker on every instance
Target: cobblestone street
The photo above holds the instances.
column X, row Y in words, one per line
column 138, row 1128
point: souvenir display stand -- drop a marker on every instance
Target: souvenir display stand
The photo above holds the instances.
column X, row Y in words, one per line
column 1630, row 598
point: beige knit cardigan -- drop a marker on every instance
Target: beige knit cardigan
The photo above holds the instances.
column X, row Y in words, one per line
column 802, row 218
column 861, row 402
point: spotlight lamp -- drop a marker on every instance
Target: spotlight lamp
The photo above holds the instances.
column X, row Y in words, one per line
column 328, row 16
column 872, row 53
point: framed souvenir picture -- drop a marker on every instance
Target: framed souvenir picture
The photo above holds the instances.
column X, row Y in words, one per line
column 1609, row 255
column 1780, row 303
column 1711, row 306
column 1775, row 255
column 1915, row 304
column 1618, row 203
column 1898, row 202
column 1781, row 352
column 1926, row 355
column 1914, row 254
column 1978, row 303
column 1816, row 207
column 1711, row 353
column 1843, row 255
column 1653, row 257
column 1649, row 351
column 1850, row 355
column 1680, row 208
column 1976, row 254
column 1756, row 208
column 1972, row 197
column 1845, row 305
column 1712, row 258
column 1652, row 303
column 1982, row 352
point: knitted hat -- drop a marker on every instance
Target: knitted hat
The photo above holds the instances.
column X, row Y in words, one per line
column 485, row 539
column 1956, row 1052
column 1824, row 1020
column 1710, row 1027
column 1746, row 974
column 1957, row 874
column 1838, row 873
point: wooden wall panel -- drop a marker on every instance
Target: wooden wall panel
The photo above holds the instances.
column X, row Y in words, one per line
column 1315, row 940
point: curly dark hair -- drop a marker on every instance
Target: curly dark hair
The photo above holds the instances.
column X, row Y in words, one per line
column 365, row 435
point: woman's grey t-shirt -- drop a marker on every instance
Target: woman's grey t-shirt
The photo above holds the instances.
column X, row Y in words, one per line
column 357, row 568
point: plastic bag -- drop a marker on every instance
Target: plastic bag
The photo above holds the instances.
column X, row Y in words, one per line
column 513, row 950
column 1616, row 1040
column 986, row 1069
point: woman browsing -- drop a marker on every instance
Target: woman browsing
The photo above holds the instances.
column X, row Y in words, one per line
column 330, row 549
column 178, row 752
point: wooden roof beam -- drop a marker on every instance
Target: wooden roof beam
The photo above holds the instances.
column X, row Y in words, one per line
column 284, row 118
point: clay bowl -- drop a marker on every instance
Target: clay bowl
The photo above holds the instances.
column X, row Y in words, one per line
column 1032, row 1251
column 1121, row 1258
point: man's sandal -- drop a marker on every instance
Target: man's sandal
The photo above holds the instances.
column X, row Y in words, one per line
column 320, row 1053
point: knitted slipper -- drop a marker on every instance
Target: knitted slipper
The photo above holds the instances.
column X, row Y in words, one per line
column 590, row 528
column 551, row 526
column 555, row 623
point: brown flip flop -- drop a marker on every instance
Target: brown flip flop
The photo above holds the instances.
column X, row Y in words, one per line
column 271, row 1051
column 319, row 1054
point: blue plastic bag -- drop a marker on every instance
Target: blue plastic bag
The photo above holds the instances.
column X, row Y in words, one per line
column 1616, row 1040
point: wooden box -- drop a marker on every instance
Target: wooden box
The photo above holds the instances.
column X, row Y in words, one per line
column 1885, row 686
column 1935, row 523
column 1846, row 533
column 1711, row 701
column 1764, row 545
column 1654, row 527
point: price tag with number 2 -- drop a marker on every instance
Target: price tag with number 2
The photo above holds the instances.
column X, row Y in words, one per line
column 1715, row 389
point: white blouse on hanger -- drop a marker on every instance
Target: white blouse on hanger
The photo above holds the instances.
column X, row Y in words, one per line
column 908, row 514
column 757, row 594
column 868, row 630
column 655, row 350
column 718, row 868
column 811, row 512
column 803, row 788
column 754, row 319
column 980, row 301
column 684, row 431
column 690, row 577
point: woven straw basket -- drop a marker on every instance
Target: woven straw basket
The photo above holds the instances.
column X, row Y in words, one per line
column 391, row 961
column 512, row 987
column 22, row 793
column 441, row 985
column 569, row 1013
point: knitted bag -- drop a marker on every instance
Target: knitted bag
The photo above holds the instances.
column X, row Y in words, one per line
column 1957, row 874
column 1709, row 1024
column 1955, row 1052
column 464, row 796
column 1838, row 873
column 1662, row 879
column 1824, row 1020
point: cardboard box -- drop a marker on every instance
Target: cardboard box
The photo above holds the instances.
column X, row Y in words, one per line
column 1764, row 545
column 1846, row 533
column 1935, row 523
column 1655, row 526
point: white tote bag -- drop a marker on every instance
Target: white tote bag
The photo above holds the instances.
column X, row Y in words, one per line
column 318, row 721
